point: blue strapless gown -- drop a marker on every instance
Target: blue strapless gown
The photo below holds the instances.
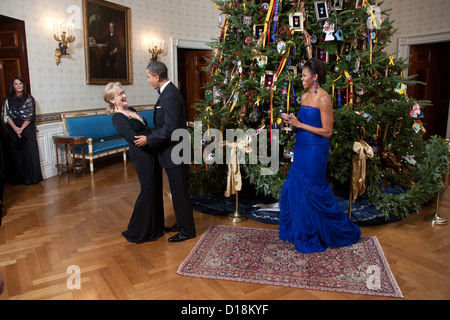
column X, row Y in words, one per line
column 310, row 216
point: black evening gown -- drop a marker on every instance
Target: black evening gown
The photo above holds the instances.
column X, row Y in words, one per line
column 26, row 164
column 147, row 221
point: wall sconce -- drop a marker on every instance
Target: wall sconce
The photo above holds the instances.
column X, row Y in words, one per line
column 66, row 37
column 156, row 48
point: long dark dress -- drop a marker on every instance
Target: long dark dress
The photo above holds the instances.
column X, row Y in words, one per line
column 147, row 221
column 310, row 216
column 26, row 165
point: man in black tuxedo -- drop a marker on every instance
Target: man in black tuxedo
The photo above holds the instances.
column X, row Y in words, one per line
column 169, row 115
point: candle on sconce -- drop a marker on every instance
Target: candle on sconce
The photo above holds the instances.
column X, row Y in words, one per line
column 61, row 27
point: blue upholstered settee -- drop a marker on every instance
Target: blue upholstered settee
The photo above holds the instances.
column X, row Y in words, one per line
column 102, row 138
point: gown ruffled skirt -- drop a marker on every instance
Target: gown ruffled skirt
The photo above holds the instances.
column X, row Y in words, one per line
column 310, row 216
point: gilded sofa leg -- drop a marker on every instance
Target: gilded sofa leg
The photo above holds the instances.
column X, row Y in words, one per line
column 91, row 156
column 124, row 157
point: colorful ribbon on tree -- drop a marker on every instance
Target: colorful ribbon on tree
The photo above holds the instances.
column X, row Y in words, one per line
column 275, row 19
column 349, row 94
column 267, row 22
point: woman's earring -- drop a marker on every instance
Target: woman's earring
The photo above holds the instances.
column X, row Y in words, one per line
column 315, row 86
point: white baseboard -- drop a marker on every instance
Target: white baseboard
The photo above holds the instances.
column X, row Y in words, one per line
column 47, row 153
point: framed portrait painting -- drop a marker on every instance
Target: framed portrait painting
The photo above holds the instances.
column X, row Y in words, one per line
column 107, row 42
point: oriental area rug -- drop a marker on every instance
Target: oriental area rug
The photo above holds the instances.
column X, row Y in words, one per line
column 258, row 256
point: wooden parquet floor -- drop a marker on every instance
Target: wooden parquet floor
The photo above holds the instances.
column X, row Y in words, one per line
column 64, row 221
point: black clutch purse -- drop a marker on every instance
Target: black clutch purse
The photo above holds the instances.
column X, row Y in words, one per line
column 20, row 144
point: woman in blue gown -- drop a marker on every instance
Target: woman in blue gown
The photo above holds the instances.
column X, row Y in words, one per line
column 310, row 216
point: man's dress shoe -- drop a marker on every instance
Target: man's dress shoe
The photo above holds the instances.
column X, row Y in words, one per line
column 179, row 237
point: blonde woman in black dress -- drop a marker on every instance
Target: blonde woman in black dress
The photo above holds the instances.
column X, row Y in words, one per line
column 147, row 221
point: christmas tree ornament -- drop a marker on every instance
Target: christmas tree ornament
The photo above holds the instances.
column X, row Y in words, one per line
column 208, row 96
column 296, row 21
column 416, row 111
column 258, row 32
column 349, row 87
column 301, row 7
column 339, row 35
column 398, row 126
column 254, row 114
column 247, row 21
column 321, row 10
column 307, row 40
column 261, row 61
column 355, row 43
column 322, row 54
column 374, row 20
column 401, row 89
column 410, row 159
column 268, row 79
column 360, row 3
column 360, row 90
column 242, row 115
column 419, row 127
column 249, row 41
column 365, row 115
column 281, row 47
column 328, row 29
column 357, row 65
column 390, row 158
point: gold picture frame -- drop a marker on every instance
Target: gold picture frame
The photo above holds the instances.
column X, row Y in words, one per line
column 107, row 42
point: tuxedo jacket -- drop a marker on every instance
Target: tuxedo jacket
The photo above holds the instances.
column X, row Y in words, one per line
column 169, row 115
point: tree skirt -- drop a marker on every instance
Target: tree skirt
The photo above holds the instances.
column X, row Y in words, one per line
column 363, row 213
column 259, row 256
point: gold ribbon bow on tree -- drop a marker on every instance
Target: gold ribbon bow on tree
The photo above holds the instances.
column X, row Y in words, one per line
column 234, row 178
column 362, row 150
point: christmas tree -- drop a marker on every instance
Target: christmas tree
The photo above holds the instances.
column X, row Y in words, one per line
column 256, row 72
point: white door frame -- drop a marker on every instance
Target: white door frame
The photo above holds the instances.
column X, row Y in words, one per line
column 185, row 44
column 405, row 43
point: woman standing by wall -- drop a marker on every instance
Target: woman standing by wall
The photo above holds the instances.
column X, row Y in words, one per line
column 19, row 115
